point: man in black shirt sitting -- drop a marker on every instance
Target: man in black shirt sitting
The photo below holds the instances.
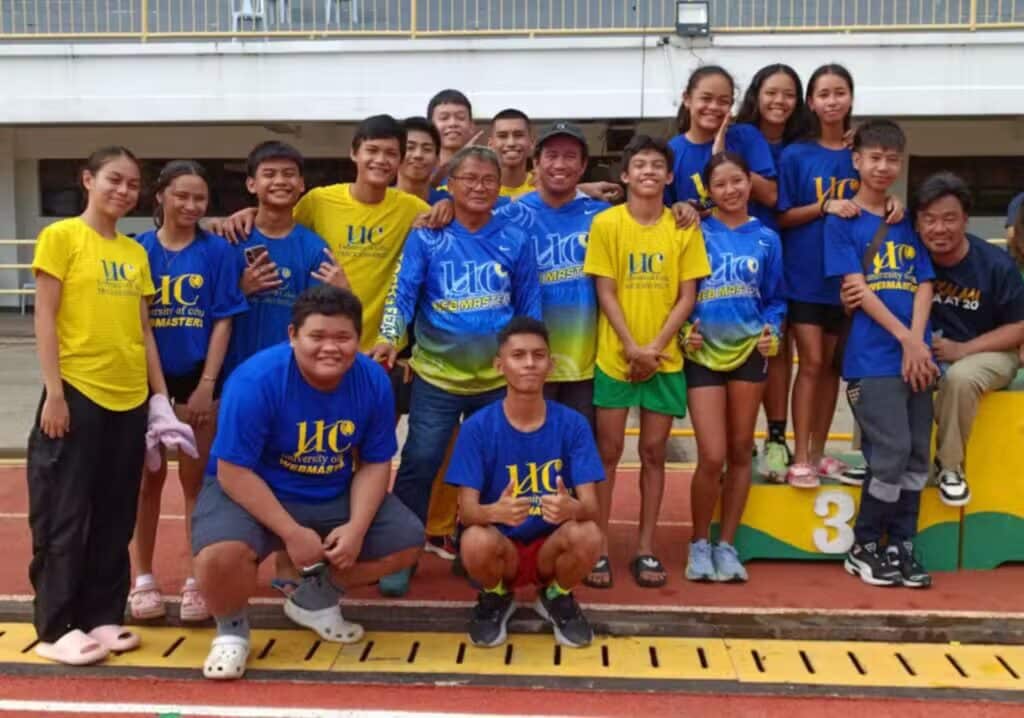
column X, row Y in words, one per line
column 977, row 321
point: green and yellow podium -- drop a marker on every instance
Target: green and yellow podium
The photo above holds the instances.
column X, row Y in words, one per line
column 781, row 522
column 993, row 524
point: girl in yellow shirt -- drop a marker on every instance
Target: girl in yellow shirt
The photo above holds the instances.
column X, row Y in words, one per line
column 85, row 452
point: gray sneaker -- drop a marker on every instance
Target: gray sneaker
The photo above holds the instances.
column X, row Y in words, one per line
column 728, row 568
column 699, row 566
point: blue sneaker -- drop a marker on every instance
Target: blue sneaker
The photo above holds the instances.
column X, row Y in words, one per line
column 728, row 568
column 395, row 584
column 699, row 566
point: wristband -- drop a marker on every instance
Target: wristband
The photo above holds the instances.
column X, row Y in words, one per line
column 207, row 377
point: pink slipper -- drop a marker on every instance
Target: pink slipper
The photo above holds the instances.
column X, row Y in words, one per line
column 74, row 648
column 115, row 638
column 802, row 476
column 193, row 606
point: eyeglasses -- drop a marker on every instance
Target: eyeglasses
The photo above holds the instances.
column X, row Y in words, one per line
column 471, row 181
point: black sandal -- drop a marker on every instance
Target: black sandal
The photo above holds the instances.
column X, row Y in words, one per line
column 647, row 564
column 603, row 567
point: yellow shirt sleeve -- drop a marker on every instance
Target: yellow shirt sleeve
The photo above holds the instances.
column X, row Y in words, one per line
column 54, row 251
column 693, row 260
column 599, row 261
column 305, row 211
column 146, row 278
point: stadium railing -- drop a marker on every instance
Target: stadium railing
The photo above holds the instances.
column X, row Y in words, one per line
column 144, row 20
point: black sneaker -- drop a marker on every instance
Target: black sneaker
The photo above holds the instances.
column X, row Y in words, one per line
column 488, row 626
column 912, row 573
column 563, row 613
column 872, row 565
column 855, row 476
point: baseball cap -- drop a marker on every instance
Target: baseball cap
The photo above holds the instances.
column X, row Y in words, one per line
column 561, row 129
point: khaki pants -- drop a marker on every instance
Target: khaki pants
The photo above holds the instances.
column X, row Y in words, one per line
column 957, row 397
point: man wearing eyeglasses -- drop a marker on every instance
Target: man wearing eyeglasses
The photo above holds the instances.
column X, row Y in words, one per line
column 462, row 283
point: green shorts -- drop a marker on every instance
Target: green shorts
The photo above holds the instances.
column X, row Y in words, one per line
column 662, row 393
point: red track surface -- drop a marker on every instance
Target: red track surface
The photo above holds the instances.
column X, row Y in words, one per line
column 778, row 584
column 478, row 700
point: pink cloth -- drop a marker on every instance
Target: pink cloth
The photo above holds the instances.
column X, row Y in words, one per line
column 166, row 429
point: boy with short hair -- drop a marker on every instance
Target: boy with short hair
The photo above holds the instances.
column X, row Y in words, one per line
column 887, row 361
column 279, row 259
column 526, row 469
column 646, row 273
column 512, row 138
column 422, row 150
column 452, row 115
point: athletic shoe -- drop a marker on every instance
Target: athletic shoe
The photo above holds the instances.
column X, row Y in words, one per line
column 774, row 461
column 855, row 476
column 572, row 629
column 953, row 488
column 872, row 565
column 831, row 468
column 489, row 625
column 912, row 573
column 728, row 568
column 699, row 566
column 442, row 547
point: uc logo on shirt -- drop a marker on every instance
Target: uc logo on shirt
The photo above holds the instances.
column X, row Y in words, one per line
column 358, row 236
column 182, row 290
column 558, row 250
column 117, row 271
column 646, row 262
column 893, row 257
column 473, row 278
column 319, row 436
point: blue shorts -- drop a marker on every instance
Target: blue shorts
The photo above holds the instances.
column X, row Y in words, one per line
column 218, row 518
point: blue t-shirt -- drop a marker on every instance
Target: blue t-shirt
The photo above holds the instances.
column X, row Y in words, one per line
column 490, row 453
column 899, row 267
column 568, row 296
column 266, row 322
column 195, row 287
column 462, row 287
column 768, row 215
column 809, row 173
column 690, row 159
column 436, row 195
column 298, row 439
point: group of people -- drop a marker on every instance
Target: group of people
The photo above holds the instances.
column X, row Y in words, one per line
column 517, row 317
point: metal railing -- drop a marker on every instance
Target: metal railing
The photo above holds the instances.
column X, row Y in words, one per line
column 196, row 19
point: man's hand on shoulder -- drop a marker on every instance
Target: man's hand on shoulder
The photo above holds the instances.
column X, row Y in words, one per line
column 440, row 215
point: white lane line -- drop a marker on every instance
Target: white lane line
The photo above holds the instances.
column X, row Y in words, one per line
column 185, row 710
column 646, row 607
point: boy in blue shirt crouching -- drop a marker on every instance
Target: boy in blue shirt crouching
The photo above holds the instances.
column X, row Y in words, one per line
column 887, row 361
column 526, row 469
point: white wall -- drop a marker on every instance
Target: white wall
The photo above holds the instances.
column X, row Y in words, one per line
column 903, row 74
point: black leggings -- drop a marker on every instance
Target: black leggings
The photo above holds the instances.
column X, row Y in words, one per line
column 83, row 494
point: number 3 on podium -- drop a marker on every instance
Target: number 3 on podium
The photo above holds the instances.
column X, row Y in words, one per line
column 837, row 535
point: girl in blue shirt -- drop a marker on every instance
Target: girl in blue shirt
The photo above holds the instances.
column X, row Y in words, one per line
column 774, row 104
column 736, row 326
column 197, row 293
column 705, row 128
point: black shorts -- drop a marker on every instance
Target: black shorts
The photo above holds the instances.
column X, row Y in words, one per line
column 754, row 369
column 180, row 387
column 401, row 389
column 827, row 316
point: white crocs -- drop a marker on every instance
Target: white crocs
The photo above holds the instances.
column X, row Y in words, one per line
column 227, row 658
column 328, row 623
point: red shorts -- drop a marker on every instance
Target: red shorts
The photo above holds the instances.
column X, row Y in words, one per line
column 527, row 575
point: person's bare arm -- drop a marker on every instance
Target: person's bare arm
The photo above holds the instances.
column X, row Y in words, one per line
column 679, row 313
column 55, row 419
column 764, row 190
column 507, row 510
column 154, row 372
column 608, row 298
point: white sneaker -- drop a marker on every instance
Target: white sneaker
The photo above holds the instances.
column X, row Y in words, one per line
column 953, row 488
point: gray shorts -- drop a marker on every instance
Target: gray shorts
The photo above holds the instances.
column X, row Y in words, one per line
column 218, row 518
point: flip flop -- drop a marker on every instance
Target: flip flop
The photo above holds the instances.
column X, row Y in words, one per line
column 227, row 657
column 74, row 648
column 115, row 638
column 603, row 567
column 647, row 563
column 328, row 623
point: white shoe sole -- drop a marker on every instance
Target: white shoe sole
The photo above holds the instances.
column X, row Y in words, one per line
column 438, row 551
column 955, row 503
column 855, row 569
column 328, row 623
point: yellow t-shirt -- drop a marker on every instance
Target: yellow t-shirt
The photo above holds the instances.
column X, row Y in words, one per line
column 647, row 263
column 366, row 239
column 99, row 324
column 527, row 186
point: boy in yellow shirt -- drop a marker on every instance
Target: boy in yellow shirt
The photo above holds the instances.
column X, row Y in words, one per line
column 512, row 138
column 646, row 272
